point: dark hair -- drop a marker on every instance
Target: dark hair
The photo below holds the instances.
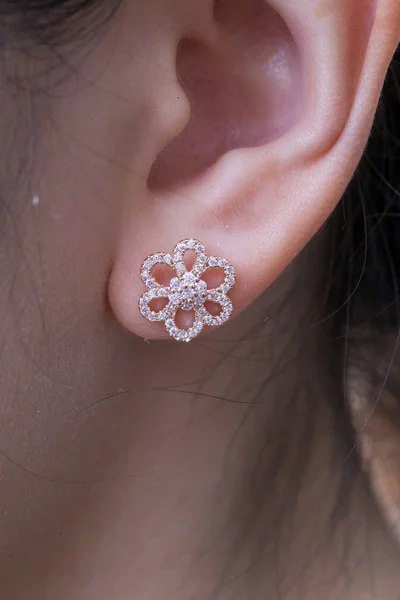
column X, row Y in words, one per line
column 368, row 232
column 54, row 22
column 364, row 292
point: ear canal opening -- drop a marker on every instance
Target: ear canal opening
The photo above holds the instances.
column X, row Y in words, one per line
column 244, row 91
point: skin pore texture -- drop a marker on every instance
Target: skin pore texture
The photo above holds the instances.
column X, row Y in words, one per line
column 137, row 468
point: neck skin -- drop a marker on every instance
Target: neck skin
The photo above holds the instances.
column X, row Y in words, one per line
column 212, row 473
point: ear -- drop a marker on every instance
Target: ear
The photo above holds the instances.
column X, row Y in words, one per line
column 282, row 96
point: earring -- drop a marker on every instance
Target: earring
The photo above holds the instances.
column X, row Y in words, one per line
column 187, row 291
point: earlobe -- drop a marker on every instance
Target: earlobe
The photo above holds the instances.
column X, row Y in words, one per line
column 282, row 101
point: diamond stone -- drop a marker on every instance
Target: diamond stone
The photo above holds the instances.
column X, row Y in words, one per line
column 175, row 283
column 189, row 278
column 200, row 287
column 180, row 269
column 175, row 298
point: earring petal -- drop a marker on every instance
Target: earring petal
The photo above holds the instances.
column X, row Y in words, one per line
column 151, row 261
column 227, row 268
column 200, row 262
column 154, row 294
column 226, row 309
column 185, row 335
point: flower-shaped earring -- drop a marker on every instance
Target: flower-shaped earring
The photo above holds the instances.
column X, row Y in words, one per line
column 187, row 291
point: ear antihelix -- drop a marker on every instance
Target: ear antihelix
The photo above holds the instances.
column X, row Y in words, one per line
column 187, row 291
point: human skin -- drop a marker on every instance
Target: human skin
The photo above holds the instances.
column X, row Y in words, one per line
column 132, row 466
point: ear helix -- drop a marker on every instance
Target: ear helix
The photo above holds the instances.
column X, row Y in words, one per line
column 187, row 291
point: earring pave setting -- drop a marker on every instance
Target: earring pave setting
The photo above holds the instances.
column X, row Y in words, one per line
column 187, row 291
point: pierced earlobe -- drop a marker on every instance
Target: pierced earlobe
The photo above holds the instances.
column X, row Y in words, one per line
column 187, row 291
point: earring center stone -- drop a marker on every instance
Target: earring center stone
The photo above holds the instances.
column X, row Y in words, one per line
column 189, row 291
